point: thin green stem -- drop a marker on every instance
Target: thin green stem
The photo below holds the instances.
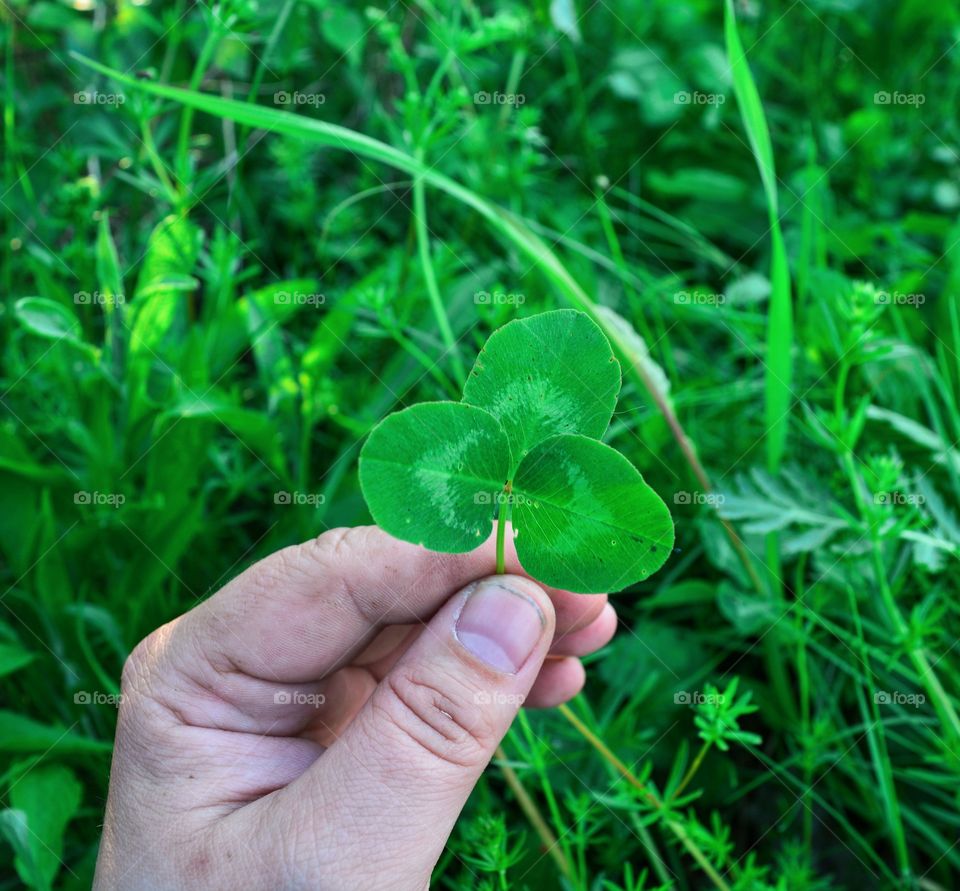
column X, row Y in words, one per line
column 691, row 771
column 878, row 746
column 430, row 278
column 532, row 812
column 186, row 117
column 503, row 517
column 535, row 756
column 156, row 162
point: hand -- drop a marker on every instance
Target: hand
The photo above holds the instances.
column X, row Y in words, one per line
column 321, row 720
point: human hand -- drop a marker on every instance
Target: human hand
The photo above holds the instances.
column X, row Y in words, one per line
column 322, row 719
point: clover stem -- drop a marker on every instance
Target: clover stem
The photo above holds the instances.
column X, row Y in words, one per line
column 503, row 517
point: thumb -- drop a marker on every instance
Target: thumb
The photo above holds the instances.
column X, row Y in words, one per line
column 406, row 765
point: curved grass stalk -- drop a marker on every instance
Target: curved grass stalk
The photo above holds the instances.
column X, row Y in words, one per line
column 506, row 224
column 532, row 813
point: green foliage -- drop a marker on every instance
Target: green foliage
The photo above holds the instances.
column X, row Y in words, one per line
column 583, row 517
column 43, row 800
column 718, row 715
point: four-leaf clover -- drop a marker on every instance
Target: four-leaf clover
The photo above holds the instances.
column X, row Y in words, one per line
column 523, row 445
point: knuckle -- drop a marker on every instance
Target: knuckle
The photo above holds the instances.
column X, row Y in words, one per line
column 137, row 666
column 441, row 719
column 145, row 686
column 336, row 545
column 341, row 555
column 307, row 568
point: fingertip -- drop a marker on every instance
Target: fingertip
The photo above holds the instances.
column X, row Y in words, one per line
column 560, row 680
column 589, row 638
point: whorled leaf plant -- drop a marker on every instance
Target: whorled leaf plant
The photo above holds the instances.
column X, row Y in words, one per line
column 522, row 446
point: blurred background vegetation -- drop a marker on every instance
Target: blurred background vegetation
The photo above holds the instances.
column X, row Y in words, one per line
column 204, row 311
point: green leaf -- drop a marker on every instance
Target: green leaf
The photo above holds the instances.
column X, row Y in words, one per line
column 586, row 520
column 46, row 798
column 564, row 17
column 345, row 30
column 778, row 374
column 13, row 657
column 48, row 319
column 172, row 253
column 21, row 734
column 635, row 349
column 548, row 374
column 431, row 474
column 108, row 266
column 258, row 431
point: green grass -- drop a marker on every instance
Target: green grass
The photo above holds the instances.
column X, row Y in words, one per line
column 210, row 296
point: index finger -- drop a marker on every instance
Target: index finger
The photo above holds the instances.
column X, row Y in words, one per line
column 308, row 609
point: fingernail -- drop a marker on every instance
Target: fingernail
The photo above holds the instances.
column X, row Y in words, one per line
column 500, row 626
